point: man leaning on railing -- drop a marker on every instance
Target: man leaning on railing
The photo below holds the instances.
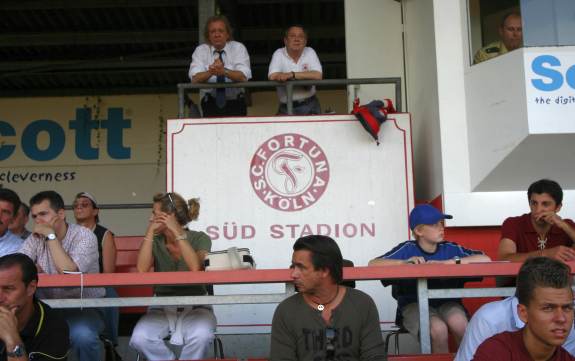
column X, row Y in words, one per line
column 220, row 60
column 296, row 61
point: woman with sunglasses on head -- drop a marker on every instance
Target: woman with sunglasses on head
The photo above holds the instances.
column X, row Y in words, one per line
column 167, row 247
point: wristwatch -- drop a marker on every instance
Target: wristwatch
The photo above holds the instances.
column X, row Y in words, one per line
column 226, row 72
column 18, row 351
column 457, row 260
column 51, row 237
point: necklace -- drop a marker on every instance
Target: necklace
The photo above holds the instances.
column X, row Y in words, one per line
column 542, row 241
column 321, row 306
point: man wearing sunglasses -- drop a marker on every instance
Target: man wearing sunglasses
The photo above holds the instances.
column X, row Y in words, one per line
column 325, row 320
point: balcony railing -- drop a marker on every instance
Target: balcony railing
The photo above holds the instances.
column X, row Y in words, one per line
column 183, row 88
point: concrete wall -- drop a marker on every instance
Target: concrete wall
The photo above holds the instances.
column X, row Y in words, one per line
column 373, row 44
column 422, row 97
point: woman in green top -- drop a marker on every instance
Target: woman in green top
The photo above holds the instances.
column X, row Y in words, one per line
column 168, row 246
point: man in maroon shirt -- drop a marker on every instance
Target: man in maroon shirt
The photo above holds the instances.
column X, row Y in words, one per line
column 539, row 233
column 546, row 306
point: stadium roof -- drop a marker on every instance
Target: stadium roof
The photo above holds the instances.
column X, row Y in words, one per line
column 73, row 47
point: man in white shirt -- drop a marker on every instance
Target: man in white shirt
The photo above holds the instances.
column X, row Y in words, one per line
column 220, row 60
column 296, row 61
column 59, row 247
column 9, row 205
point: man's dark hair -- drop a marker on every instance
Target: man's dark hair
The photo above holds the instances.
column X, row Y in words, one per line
column 8, row 195
column 27, row 266
column 56, row 201
column 546, row 186
column 213, row 19
column 325, row 254
column 25, row 208
column 507, row 15
column 541, row 272
column 286, row 31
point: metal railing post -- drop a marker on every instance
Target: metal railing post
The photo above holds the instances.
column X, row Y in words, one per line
column 289, row 95
column 181, row 101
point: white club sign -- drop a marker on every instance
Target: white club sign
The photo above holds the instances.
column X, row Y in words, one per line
column 264, row 182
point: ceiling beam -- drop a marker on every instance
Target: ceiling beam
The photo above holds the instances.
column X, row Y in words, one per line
column 146, row 37
column 89, row 4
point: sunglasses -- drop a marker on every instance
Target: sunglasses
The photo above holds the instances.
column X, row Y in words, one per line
column 330, row 343
column 172, row 204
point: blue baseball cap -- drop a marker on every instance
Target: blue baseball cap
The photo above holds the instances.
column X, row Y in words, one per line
column 425, row 214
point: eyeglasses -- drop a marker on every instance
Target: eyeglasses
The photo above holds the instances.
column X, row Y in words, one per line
column 81, row 205
column 330, row 343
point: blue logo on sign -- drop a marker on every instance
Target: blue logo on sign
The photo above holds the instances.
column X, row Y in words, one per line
column 83, row 126
column 551, row 78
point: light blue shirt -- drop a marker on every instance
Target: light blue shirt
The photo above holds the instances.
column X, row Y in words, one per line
column 9, row 243
column 493, row 318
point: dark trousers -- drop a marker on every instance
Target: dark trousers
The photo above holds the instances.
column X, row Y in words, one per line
column 309, row 106
column 233, row 107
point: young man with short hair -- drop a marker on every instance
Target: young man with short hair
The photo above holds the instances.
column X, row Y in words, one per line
column 542, row 232
column 325, row 320
column 9, row 206
column 546, row 307
column 59, row 247
column 446, row 315
column 29, row 328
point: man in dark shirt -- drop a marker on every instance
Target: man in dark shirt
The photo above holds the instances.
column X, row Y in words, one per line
column 325, row 320
column 545, row 306
column 542, row 232
column 28, row 328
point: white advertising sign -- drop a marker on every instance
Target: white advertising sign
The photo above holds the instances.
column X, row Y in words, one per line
column 264, row 182
column 550, row 89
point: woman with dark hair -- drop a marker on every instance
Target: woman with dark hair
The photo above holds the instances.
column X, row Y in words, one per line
column 167, row 247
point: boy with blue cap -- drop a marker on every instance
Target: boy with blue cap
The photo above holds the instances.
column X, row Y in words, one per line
column 445, row 315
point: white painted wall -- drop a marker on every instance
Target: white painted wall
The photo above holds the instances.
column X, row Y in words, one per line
column 496, row 112
column 452, row 60
column 422, row 97
column 373, row 45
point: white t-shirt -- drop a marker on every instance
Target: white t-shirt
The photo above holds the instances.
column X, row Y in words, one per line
column 282, row 62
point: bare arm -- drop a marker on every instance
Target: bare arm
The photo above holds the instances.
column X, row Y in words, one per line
column 145, row 258
column 201, row 77
column 61, row 259
column 9, row 334
column 194, row 259
column 109, row 253
column 297, row 75
column 395, row 262
column 508, row 252
column 308, row 75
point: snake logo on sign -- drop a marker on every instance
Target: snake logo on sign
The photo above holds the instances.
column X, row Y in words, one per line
column 289, row 172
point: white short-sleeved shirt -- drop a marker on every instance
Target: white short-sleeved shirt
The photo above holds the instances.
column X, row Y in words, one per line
column 81, row 245
column 235, row 57
column 282, row 62
column 493, row 318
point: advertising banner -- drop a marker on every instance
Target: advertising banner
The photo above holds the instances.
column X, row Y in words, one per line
column 550, row 89
column 112, row 147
